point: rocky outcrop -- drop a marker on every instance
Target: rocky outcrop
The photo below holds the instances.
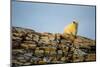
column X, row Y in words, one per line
column 32, row 48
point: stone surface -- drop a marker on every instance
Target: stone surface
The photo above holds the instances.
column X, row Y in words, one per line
column 32, row 48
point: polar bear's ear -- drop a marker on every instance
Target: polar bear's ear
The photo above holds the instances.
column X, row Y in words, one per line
column 74, row 22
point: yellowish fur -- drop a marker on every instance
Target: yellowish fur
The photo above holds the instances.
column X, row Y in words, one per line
column 71, row 29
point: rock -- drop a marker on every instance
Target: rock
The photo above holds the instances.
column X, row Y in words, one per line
column 53, row 44
column 35, row 38
column 90, row 57
column 28, row 39
column 28, row 54
column 30, row 35
column 63, row 59
column 16, row 38
column 41, row 62
column 51, row 37
column 32, row 48
column 17, row 34
column 16, row 44
column 44, row 40
column 28, row 46
column 58, row 36
column 63, row 41
column 60, row 52
column 21, row 30
column 54, row 60
column 77, row 58
column 27, row 58
column 17, row 63
column 39, row 53
column 46, row 59
column 21, row 59
column 79, row 52
column 30, row 42
column 15, row 51
column 47, row 51
column 53, row 53
column 34, row 60
column 28, row 63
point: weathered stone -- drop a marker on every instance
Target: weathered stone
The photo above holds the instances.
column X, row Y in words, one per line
column 41, row 62
column 52, row 53
column 44, row 40
column 35, row 37
column 79, row 52
column 28, row 39
column 34, row 60
column 46, row 59
column 30, row 42
column 39, row 52
column 17, row 62
column 77, row 58
column 16, row 38
column 18, row 51
column 53, row 44
column 21, row 59
column 54, row 60
column 30, row 47
column 27, row 57
column 90, row 57
column 27, row 63
column 60, row 52
column 63, row 41
column 16, row 44
column 28, row 54
column 63, row 59
column 17, row 34
column 30, row 35
column 47, row 50
column 58, row 36
column 52, row 49
column 51, row 37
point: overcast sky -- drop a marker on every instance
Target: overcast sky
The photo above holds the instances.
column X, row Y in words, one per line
column 43, row 17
